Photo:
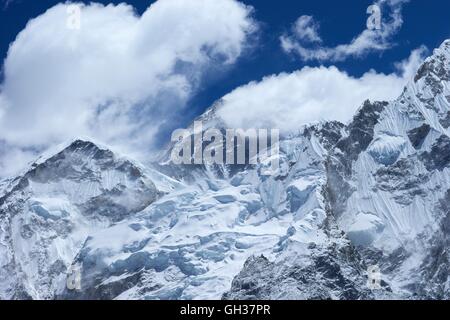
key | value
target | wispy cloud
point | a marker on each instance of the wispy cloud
(306, 29)
(305, 41)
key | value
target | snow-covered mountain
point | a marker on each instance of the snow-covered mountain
(375, 192)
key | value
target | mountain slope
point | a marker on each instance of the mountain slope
(47, 213)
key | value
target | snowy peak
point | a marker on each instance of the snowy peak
(80, 154)
(90, 176)
(437, 66)
(428, 95)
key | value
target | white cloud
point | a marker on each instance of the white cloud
(288, 101)
(367, 41)
(14, 160)
(120, 76)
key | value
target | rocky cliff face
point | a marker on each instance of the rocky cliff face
(345, 198)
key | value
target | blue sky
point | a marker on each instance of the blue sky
(36, 117)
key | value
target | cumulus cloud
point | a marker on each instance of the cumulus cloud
(288, 101)
(377, 40)
(120, 76)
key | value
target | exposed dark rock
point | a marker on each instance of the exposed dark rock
(418, 135)
(400, 179)
(439, 156)
(332, 274)
(360, 132)
(329, 133)
(445, 122)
